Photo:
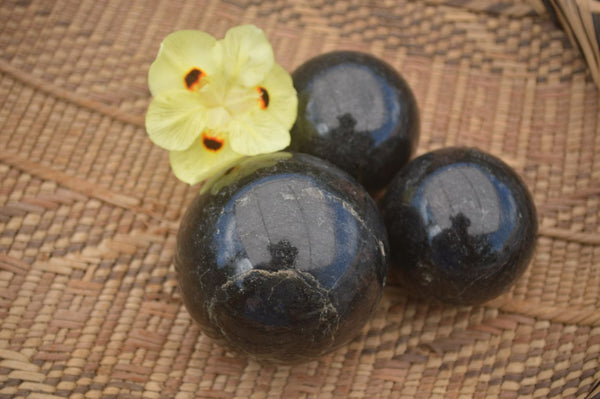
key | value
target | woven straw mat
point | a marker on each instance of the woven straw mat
(89, 209)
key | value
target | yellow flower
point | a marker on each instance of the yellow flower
(215, 101)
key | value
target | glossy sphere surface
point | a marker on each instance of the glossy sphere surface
(357, 112)
(283, 259)
(462, 225)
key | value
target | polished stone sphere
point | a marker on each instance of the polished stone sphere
(357, 112)
(284, 258)
(462, 226)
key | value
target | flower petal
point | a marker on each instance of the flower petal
(179, 53)
(198, 163)
(247, 54)
(283, 101)
(257, 133)
(175, 119)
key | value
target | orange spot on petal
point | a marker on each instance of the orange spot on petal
(193, 79)
(212, 143)
(264, 97)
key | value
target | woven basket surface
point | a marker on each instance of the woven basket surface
(89, 209)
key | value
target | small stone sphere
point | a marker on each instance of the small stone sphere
(462, 226)
(284, 258)
(357, 112)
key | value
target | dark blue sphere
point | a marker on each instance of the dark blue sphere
(357, 112)
(284, 258)
(462, 225)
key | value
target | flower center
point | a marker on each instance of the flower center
(225, 100)
(240, 100)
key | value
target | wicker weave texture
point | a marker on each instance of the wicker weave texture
(89, 209)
